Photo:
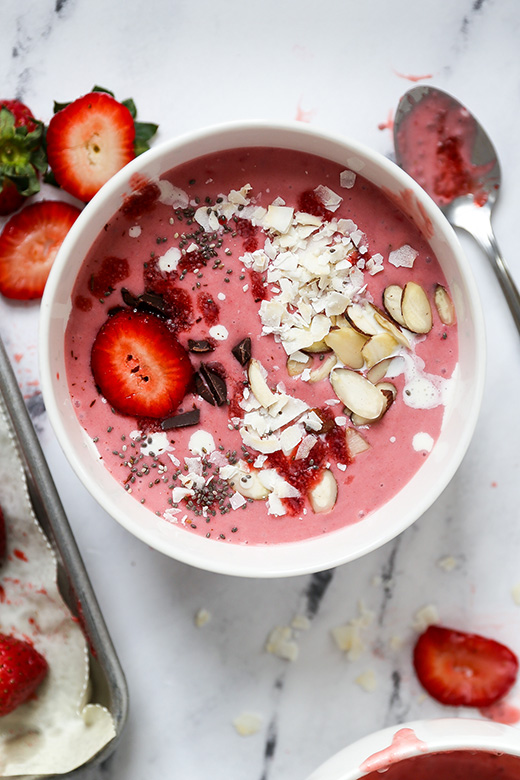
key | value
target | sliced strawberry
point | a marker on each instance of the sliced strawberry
(28, 245)
(463, 669)
(3, 537)
(139, 366)
(88, 141)
(22, 669)
(22, 155)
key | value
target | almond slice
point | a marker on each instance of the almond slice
(318, 346)
(392, 328)
(444, 305)
(358, 394)
(248, 485)
(392, 300)
(378, 371)
(362, 318)
(416, 309)
(356, 444)
(296, 367)
(347, 344)
(323, 368)
(259, 387)
(389, 392)
(324, 493)
(378, 347)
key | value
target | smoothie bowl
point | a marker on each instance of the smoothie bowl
(262, 349)
(451, 748)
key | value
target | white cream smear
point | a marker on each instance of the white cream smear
(58, 730)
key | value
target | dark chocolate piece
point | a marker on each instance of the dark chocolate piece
(210, 386)
(183, 420)
(203, 345)
(148, 301)
(242, 351)
(203, 390)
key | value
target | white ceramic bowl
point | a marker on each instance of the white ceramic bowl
(313, 554)
(388, 747)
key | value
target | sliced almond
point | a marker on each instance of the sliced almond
(356, 443)
(296, 367)
(389, 392)
(392, 300)
(323, 368)
(324, 493)
(444, 305)
(390, 326)
(416, 309)
(318, 346)
(358, 394)
(249, 485)
(362, 318)
(388, 387)
(378, 371)
(259, 387)
(347, 344)
(378, 347)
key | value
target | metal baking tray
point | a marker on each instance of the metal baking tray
(107, 679)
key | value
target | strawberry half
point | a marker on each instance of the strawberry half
(28, 245)
(88, 141)
(22, 155)
(139, 366)
(22, 669)
(461, 669)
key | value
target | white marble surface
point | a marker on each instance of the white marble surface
(341, 66)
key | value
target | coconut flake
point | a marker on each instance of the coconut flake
(404, 257)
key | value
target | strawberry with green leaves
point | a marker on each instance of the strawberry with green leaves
(92, 138)
(462, 669)
(22, 156)
(22, 670)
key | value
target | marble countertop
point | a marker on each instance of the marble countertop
(340, 66)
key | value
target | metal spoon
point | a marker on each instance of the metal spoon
(441, 145)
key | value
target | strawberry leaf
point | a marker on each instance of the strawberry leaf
(130, 105)
(144, 131)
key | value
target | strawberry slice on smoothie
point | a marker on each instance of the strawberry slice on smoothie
(139, 366)
(461, 669)
(29, 244)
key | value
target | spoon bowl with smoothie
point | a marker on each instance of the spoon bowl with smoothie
(262, 349)
(443, 147)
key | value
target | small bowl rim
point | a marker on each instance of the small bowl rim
(286, 559)
(439, 734)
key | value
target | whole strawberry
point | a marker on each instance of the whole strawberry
(22, 669)
(22, 155)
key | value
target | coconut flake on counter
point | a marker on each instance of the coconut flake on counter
(247, 723)
(202, 617)
(367, 681)
(424, 617)
(404, 257)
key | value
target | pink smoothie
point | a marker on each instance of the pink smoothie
(229, 261)
(453, 765)
(436, 140)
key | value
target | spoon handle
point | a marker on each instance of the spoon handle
(482, 231)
